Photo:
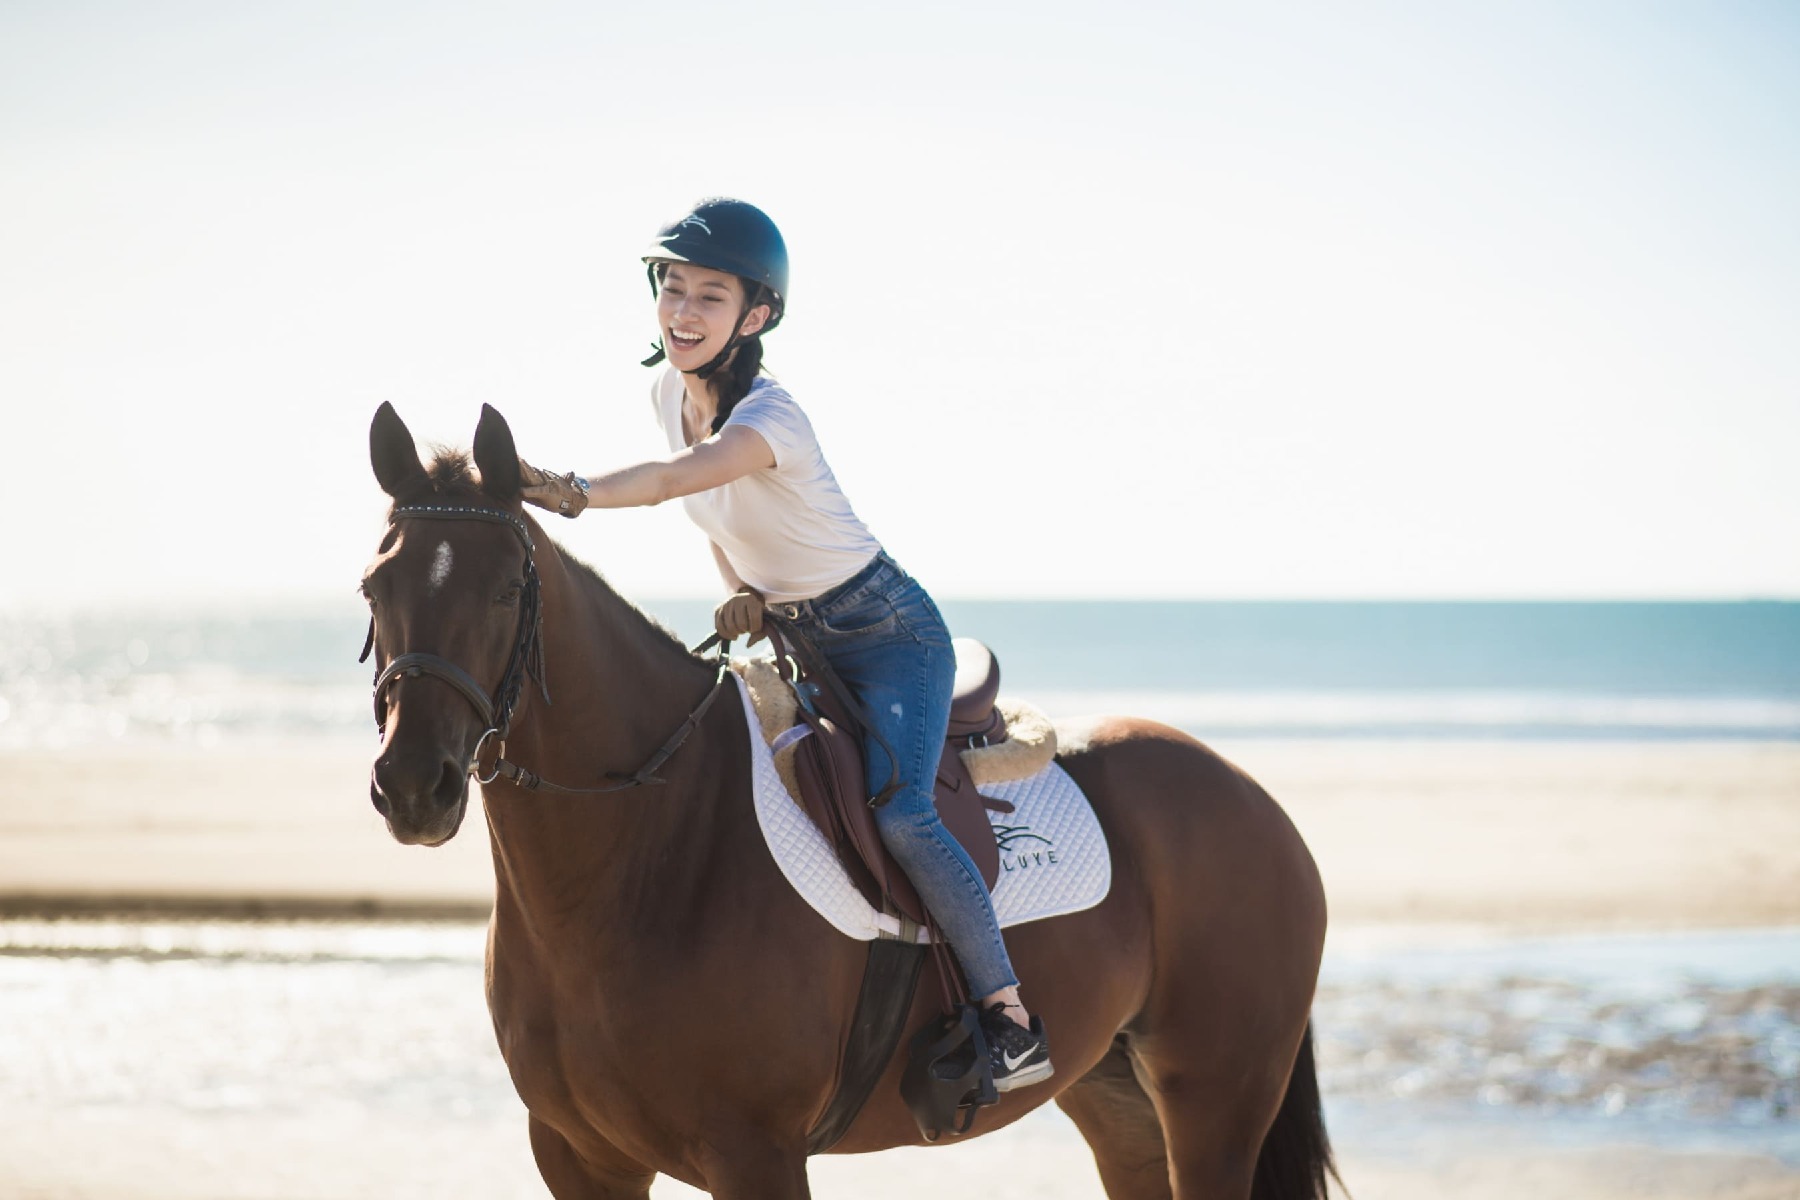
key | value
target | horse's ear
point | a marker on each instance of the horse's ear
(392, 453)
(495, 455)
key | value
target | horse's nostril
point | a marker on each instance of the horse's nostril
(451, 782)
(421, 795)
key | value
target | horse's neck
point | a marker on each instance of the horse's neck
(615, 680)
(618, 690)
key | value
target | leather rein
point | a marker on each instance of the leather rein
(526, 661)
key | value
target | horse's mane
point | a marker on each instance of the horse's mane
(595, 585)
(453, 475)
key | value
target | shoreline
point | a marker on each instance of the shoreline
(180, 907)
(199, 906)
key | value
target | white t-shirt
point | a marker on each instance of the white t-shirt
(787, 530)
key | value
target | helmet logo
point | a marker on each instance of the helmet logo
(694, 220)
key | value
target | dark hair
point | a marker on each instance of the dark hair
(738, 376)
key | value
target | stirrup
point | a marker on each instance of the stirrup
(948, 1077)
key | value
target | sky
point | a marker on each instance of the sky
(1300, 300)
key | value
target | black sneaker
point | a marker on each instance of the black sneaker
(1019, 1056)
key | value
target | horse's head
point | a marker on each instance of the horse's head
(453, 599)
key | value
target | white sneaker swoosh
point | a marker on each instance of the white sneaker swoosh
(1012, 1064)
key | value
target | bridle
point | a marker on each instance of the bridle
(528, 648)
(526, 660)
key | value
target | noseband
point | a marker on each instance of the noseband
(527, 656)
(527, 659)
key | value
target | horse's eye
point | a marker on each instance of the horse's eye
(510, 594)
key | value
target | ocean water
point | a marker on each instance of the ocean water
(1217, 669)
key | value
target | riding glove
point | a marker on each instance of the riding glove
(565, 494)
(741, 615)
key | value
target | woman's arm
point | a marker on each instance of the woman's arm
(732, 454)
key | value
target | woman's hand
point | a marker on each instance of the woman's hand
(565, 494)
(740, 616)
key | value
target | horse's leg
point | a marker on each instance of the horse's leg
(756, 1172)
(1113, 1113)
(572, 1177)
(1216, 1091)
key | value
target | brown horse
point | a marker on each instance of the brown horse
(663, 999)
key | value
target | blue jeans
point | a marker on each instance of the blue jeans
(888, 642)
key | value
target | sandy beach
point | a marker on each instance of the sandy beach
(1521, 835)
(1499, 836)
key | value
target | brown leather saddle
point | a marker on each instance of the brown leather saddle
(834, 788)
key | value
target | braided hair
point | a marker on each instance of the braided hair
(738, 377)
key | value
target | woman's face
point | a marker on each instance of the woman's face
(698, 310)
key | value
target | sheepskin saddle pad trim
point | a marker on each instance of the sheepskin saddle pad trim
(1053, 854)
(1030, 743)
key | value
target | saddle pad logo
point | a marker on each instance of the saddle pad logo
(1021, 849)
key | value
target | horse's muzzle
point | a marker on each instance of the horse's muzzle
(422, 797)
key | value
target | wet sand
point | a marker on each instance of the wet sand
(1500, 836)
(240, 1159)
(235, 1158)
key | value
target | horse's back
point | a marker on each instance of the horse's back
(1207, 850)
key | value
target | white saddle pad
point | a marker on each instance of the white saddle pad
(1053, 855)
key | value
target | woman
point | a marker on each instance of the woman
(745, 463)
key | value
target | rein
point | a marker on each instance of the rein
(526, 660)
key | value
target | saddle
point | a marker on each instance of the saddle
(821, 761)
(819, 756)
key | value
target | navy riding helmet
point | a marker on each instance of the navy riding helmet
(726, 235)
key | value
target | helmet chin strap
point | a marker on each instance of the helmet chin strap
(718, 360)
(705, 371)
(708, 369)
(657, 353)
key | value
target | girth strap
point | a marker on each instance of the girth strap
(889, 979)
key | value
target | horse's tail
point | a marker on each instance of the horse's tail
(1295, 1162)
